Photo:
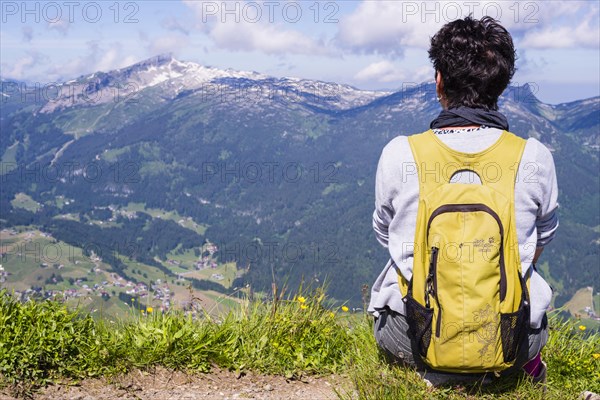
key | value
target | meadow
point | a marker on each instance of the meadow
(47, 342)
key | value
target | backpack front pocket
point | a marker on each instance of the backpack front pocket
(466, 242)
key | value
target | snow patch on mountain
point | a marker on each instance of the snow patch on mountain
(172, 77)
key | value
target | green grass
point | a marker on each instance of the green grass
(112, 155)
(46, 342)
(187, 259)
(313, 128)
(9, 159)
(82, 121)
(333, 187)
(573, 366)
(36, 249)
(186, 222)
(25, 201)
(68, 216)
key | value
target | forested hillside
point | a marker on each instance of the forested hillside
(278, 173)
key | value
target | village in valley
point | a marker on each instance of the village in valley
(34, 265)
(584, 306)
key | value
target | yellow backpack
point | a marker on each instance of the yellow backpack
(467, 304)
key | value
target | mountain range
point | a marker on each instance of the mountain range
(278, 172)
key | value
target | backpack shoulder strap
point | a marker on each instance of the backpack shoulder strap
(496, 166)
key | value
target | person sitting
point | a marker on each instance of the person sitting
(474, 61)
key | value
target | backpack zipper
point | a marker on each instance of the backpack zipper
(431, 288)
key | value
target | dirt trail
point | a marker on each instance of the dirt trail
(163, 384)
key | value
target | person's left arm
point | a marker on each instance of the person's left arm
(547, 216)
(385, 191)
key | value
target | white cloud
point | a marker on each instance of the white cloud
(268, 39)
(424, 73)
(112, 58)
(60, 26)
(384, 28)
(97, 58)
(20, 69)
(522, 17)
(381, 71)
(389, 27)
(582, 35)
(526, 63)
(243, 32)
(386, 71)
(169, 43)
(73, 67)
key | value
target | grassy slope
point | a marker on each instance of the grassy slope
(25, 201)
(43, 342)
(186, 222)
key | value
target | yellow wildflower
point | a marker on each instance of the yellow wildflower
(332, 314)
(582, 327)
(149, 309)
(304, 306)
(301, 300)
(345, 309)
(596, 356)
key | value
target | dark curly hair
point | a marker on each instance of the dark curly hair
(476, 59)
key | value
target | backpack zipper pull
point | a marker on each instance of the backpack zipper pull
(432, 278)
(429, 286)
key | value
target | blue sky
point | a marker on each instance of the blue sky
(368, 44)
